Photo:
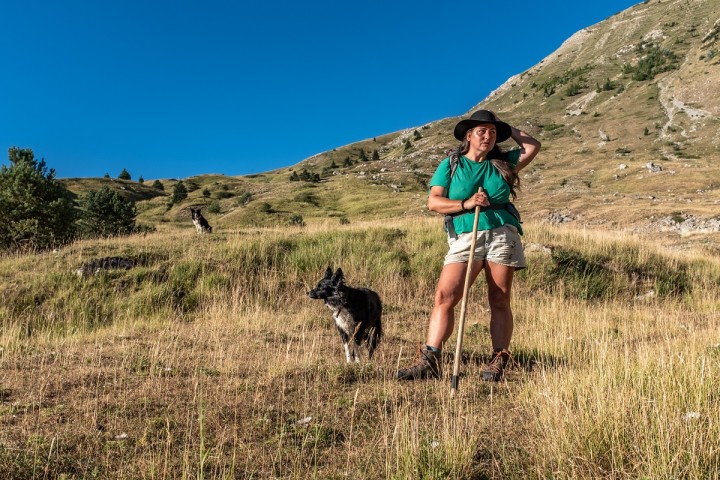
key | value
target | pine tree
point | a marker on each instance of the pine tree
(105, 213)
(375, 155)
(179, 193)
(38, 211)
(158, 185)
(124, 175)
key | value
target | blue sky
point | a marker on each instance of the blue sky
(174, 89)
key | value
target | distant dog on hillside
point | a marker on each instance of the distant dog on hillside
(201, 224)
(356, 312)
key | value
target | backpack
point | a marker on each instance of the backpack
(454, 155)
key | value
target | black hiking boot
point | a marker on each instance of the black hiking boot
(493, 371)
(427, 366)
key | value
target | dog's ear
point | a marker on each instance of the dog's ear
(328, 272)
(337, 276)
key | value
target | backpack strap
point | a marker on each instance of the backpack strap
(454, 155)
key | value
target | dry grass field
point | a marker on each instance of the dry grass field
(208, 360)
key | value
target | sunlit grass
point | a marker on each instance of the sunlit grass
(208, 360)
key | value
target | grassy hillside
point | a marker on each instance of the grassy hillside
(626, 110)
(208, 360)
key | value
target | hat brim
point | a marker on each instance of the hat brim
(503, 129)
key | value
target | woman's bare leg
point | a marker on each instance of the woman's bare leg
(499, 279)
(448, 294)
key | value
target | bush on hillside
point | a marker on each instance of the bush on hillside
(105, 213)
(655, 60)
(305, 176)
(39, 211)
(180, 193)
(244, 198)
(297, 220)
(214, 207)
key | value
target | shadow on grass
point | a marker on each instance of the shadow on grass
(526, 360)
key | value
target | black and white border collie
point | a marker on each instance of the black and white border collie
(356, 312)
(201, 224)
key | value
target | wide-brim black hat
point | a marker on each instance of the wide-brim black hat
(483, 116)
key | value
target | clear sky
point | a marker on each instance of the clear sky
(171, 89)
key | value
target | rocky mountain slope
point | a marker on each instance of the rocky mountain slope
(628, 112)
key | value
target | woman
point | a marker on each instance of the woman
(487, 177)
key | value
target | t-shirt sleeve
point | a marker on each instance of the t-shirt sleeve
(513, 156)
(441, 177)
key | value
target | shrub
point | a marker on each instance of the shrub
(214, 207)
(573, 89)
(655, 60)
(39, 211)
(623, 151)
(180, 193)
(296, 220)
(244, 198)
(307, 197)
(158, 185)
(105, 213)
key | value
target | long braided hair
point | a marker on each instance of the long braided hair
(499, 159)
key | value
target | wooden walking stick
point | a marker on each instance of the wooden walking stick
(461, 327)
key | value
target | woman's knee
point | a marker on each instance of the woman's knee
(447, 298)
(498, 299)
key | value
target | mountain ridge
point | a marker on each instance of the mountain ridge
(625, 108)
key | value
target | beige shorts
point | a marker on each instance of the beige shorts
(500, 245)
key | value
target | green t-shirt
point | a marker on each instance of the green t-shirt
(469, 176)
